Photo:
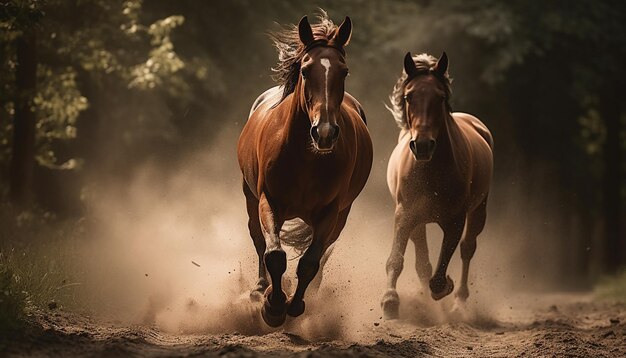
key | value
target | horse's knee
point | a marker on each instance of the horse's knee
(275, 261)
(468, 248)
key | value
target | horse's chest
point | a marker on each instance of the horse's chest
(303, 184)
(435, 197)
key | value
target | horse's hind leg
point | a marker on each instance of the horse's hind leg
(395, 263)
(475, 224)
(254, 226)
(440, 284)
(275, 307)
(422, 261)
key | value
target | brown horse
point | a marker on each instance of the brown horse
(439, 172)
(305, 153)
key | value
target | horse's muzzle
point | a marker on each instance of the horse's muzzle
(325, 136)
(423, 149)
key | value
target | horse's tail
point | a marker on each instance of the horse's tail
(297, 234)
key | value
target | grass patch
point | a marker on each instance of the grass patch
(612, 287)
(37, 265)
(12, 302)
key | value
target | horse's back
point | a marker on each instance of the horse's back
(270, 97)
(476, 124)
(246, 149)
(481, 147)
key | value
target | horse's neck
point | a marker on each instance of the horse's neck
(297, 123)
(455, 145)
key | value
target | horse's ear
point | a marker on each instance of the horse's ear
(442, 65)
(305, 32)
(409, 65)
(344, 32)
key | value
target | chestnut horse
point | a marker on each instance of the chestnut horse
(439, 172)
(305, 152)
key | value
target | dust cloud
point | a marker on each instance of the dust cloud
(170, 248)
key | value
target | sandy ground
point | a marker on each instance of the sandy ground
(571, 325)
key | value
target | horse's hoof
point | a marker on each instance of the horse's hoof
(294, 309)
(391, 305)
(439, 290)
(274, 311)
(462, 294)
(273, 319)
(459, 307)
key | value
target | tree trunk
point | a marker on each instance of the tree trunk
(614, 249)
(23, 155)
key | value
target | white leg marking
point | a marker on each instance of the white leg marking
(326, 63)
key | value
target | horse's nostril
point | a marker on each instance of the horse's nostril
(422, 149)
(431, 145)
(335, 132)
(314, 133)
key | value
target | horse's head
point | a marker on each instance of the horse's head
(426, 104)
(323, 71)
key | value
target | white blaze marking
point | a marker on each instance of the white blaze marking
(326, 63)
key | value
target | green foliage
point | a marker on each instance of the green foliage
(59, 103)
(112, 46)
(593, 130)
(163, 60)
(17, 16)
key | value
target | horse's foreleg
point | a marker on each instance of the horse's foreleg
(475, 224)
(395, 263)
(275, 258)
(442, 285)
(422, 261)
(317, 280)
(341, 223)
(254, 226)
(309, 263)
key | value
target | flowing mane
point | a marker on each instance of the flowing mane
(291, 50)
(424, 63)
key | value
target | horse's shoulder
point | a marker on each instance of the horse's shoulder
(271, 97)
(356, 105)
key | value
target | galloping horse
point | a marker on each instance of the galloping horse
(439, 172)
(305, 152)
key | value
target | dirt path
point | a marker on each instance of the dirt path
(561, 325)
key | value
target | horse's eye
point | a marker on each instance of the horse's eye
(347, 72)
(304, 72)
(407, 97)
